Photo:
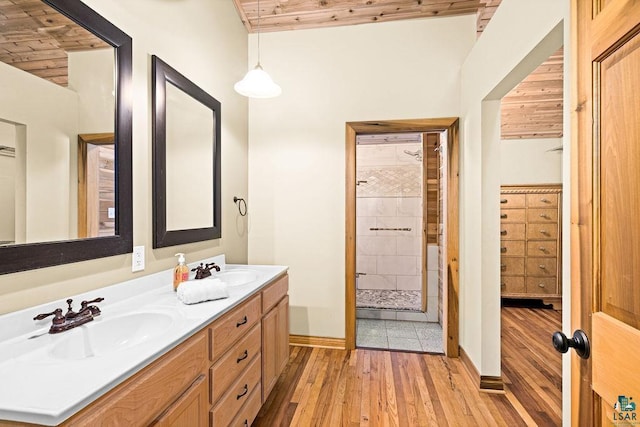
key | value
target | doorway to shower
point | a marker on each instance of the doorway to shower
(398, 233)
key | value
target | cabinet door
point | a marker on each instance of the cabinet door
(190, 410)
(275, 345)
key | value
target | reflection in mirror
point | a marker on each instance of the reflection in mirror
(64, 71)
(186, 159)
(189, 166)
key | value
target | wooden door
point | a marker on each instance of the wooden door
(605, 210)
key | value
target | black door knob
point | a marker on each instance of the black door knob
(579, 342)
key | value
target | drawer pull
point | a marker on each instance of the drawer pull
(503, 266)
(542, 267)
(503, 215)
(543, 249)
(244, 356)
(503, 249)
(242, 322)
(541, 285)
(543, 200)
(246, 423)
(503, 201)
(244, 391)
(545, 216)
(503, 232)
(545, 232)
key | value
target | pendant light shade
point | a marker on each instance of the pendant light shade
(257, 84)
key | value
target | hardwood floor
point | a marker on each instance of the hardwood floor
(326, 387)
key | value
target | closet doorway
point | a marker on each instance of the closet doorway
(397, 237)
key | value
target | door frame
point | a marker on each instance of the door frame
(450, 298)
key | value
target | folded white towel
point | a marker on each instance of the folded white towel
(195, 291)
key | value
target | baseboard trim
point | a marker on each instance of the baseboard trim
(323, 342)
(486, 383)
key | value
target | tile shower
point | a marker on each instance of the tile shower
(389, 234)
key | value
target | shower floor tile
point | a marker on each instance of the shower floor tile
(388, 299)
(399, 335)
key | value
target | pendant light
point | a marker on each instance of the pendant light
(257, 83)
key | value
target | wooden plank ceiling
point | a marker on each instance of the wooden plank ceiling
(36, 38)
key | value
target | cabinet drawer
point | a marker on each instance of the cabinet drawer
(542, 231)
(512, 231)
(512, 248)
(545, 248)
(274, 293)
(542, 266)
(542, 215)
(512, 200)
(513, 215)
(512, 265)
(227, 408)
(512, 284)
(234, 362)
(230, 327)
(542, 285)
(249, 411)
(542, 200)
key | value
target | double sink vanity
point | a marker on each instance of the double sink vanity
(147, 358)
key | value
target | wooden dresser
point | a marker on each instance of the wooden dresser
(530, 237)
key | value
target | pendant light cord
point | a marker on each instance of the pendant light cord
(258, 32)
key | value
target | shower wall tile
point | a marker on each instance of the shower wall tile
(409, 206)
(408, 246)
(364, 224)
(398, 222)
(399, 265)
(403, 158)
(366, 264)
(376, 155)
(432, 257)
(389, 181)
(375, 245)
(377, 281)
(432, 283)
(409, 283)
(375, 206)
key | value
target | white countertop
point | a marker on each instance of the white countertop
(42, 386)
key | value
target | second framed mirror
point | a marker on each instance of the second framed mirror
(186, 159)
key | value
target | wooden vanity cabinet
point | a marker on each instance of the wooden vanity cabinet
(530, 242)
(275, 333)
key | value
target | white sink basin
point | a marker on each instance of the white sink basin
(237, 277)
(104, 336)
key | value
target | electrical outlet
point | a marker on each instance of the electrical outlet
(137, 262)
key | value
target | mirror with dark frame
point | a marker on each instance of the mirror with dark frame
(65, 135)
(186, 159)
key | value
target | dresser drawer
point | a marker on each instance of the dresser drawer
(249, 411)
(542, 200)
(234, 362)
(512, 200)
(513, 215)
(542, 231)
(512, 284)
(226, 409)
(542, 266)
(230, 327)
(512, 248)
(544, 248)
(512, 231)
(542, 215)
(512, 265)
(274, 293)
(542, 285)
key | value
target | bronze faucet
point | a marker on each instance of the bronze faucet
(71, 319)
(203, 271)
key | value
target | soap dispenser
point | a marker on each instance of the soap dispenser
(181, 272)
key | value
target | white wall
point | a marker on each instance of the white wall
(530, 161)
(394, 70)
(206, 41)
(520, 36)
